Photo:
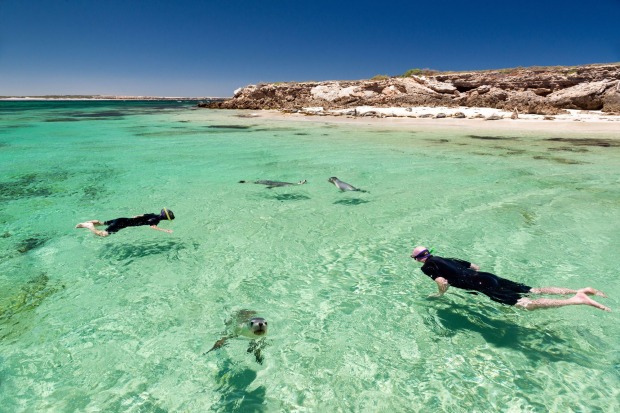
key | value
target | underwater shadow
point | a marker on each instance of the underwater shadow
(288, 197)
(234, 388)
(536, 344)
(352, 201)
(141, 249)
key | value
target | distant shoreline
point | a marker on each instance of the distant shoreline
(109, 98)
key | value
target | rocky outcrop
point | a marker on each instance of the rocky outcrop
(545, 91)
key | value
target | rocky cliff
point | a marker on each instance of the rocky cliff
(537, 90)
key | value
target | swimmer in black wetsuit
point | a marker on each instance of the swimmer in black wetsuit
(115, 225)
(463, 274)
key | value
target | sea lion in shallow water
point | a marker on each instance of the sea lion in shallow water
(343, 186)
(245, 323)
(274, 184)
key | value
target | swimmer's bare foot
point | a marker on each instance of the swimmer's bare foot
(582, 298)
(88, 224)
(592, 291)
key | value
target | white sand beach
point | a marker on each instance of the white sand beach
(470, 118)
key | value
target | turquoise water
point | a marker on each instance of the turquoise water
(120, 324)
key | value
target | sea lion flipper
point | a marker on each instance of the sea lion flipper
(256, 348)
(218, 344)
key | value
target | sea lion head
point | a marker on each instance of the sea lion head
(257, 326)
(333, 179)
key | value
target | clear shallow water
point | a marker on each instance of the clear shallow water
(121, 323)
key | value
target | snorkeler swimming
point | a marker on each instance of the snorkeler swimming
(115, 225)
(462, 274)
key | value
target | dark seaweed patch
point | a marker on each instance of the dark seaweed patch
(99, 115)
(605, 143)
(10, 191)
(16, 126)
(78, 116)
(528, 217)
(568, 149)
(229, 127)
(31, 243)
(352, 201)
(30, 185)
(29, 297)
(494, 138)
(176, 132)
(283, 129)
(93, 192)
(510, 151)
(62, 120)
(559, 160)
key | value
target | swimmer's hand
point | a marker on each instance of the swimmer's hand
(442, 285)
(169, 231)
(474, 267)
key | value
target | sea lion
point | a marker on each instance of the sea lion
(244, 323)
(343, 186)
(274, 184)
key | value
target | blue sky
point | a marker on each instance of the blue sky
(211, 47)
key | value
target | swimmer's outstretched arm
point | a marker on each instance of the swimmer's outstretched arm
(442, 285)
(169, 231)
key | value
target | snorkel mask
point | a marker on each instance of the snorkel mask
(169, 214)
(424, 253)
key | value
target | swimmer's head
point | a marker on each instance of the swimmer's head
(167, 214)
(420, 253)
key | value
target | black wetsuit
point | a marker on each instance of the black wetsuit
(460, 275)
(117, 224)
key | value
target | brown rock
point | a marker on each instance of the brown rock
(538, 90)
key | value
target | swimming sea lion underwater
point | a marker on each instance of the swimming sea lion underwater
(245, 323)
(343, 186)
(274, 184)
